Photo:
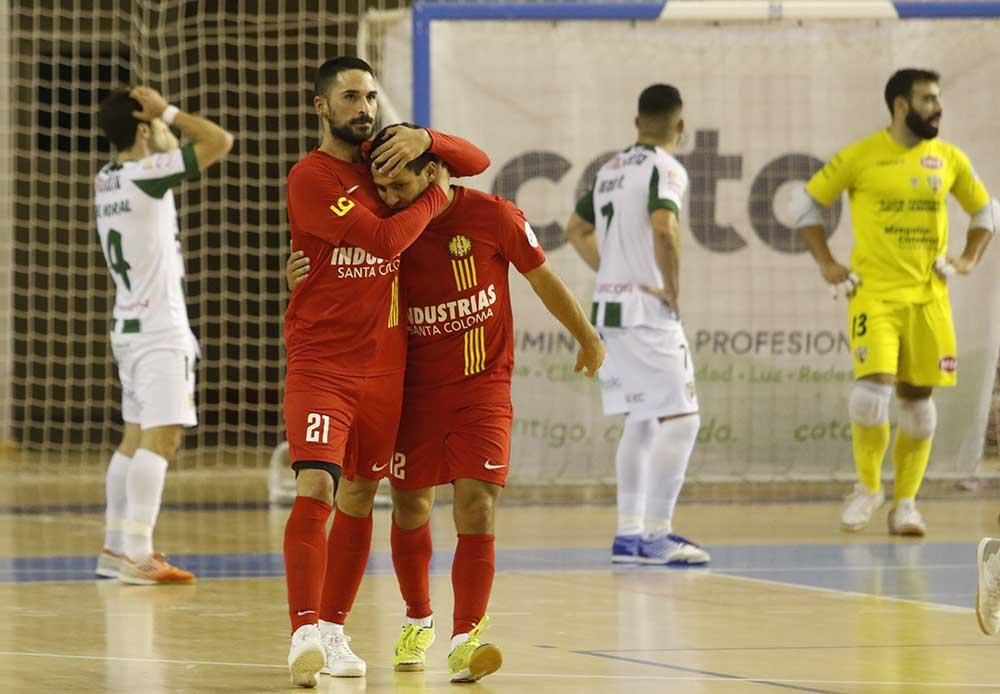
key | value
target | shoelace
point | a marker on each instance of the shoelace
(483, 625)
(339, 644)
(411, 638)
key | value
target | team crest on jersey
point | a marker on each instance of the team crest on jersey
(935, 183)
(459, 246)
(931, 162)
(948, 364)
(530, 233)
(861, 353)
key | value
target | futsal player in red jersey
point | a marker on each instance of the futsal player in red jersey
(457, 412)
(346, 347)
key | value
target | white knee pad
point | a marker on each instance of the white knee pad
(918, 418)
(869, 403)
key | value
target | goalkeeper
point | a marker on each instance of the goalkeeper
(901, 331)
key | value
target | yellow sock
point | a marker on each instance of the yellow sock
(870, 445)
(909, 459)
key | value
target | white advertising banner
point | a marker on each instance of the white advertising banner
(765, 105)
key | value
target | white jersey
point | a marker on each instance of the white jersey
(628, 188)
(137, 225)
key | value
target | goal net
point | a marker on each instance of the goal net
(766, 102)
(548, 100)
(249, 66)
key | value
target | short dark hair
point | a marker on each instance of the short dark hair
(418, 164)
(902, 81)
(329, 70)
(662, 100)
(116, 120)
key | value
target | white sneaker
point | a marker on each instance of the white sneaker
(905, 519)
(671, 549)
(988, 592)
(306, 657)
(859, 507)
(340, 659)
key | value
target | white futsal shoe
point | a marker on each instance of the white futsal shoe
(859, 507)
(988, 591)
(671, 549)
(340, 659)
(905, 519)
(306, 658)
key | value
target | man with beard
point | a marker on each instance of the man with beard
(900, 322)
(346, 353)
(457, 412)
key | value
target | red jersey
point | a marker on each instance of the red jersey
(455, 278)
(346, 317)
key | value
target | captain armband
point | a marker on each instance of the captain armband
(987, 218)
(805, 211)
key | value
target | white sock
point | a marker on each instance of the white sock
(458, 639)
(422, 622)
(664, 474)
(144, 484)
(634, 449)
(115, 496)
(330, 628)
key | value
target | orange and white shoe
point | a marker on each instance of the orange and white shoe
(154, 570)
(109, 563)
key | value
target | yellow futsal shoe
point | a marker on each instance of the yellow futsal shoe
(472, 660)
(411, 648)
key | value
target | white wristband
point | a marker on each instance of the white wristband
(169, 113)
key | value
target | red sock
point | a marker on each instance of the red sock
(347, 556)
(411, 557)
(305, 558)
(471, 580)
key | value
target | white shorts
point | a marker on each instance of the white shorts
(157, 375)
(648, 372)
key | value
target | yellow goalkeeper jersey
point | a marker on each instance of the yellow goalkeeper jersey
(898, 210)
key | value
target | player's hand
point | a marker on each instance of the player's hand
(843, 281)
(152, 103)
(163, 139)
(946, 267)
(403, 146)
(663, 295)
(590, 357)
(296, 269)
(443, 178)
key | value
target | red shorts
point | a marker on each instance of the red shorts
(346, 420)
(440, 444)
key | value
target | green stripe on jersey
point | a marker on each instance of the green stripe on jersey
(655, 201)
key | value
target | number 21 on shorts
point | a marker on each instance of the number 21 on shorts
(317, 428)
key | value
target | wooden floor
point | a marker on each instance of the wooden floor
(790, 604)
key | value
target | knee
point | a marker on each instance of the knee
(474, 512)
(356, 497)
(163, 441)
(411, 509)
(316, 484)
(918, 418)
(869, 403)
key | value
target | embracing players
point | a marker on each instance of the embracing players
(901, 331)
(346, 341)
(628, 229)
(151, 338)
(457, 412)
